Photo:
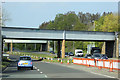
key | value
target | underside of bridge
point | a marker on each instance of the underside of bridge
(43, 46)
(110, 48)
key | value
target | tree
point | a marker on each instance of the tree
(5, 17)
(82, 22)
(107, 23)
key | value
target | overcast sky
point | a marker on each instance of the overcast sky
(32, 14)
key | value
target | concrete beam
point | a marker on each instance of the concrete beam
(37, 34)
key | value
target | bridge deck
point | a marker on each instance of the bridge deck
(36, 34)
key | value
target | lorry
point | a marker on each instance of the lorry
(79, 53)
(95, 50)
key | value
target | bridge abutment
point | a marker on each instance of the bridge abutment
(110, 48)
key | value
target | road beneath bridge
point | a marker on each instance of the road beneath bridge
(47, 70)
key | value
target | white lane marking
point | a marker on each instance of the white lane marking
(47, 62)
(35, 67)
(46, 76)
(92, 72)
(102, 75)
(41, 72)
(38, 69)
(97, 73)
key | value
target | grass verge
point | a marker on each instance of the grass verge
(37, 56)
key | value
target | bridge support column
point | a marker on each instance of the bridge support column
(11, 47)
(63, 49)
(117, 47)
(35, 46)
(25, 46)
(58, 54)
(103, 48)
(48, 46)
(2, 45)
(41, 47)
(54, 46)
(110, 47)
(8, 46)
(44, 47)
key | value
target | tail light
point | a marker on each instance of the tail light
(31, 62)
(19, 63)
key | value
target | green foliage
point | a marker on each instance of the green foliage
(82, 22)
(29, 47)
(68, 21)
(107, 23)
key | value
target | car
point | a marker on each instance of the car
(104, 56)
(66, 54)
(96, 56)
(25, 62)
(52, 52)
(88, 56)
(70, 54)
(95, 50)
(78, 53)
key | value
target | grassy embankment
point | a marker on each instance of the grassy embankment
(37, 56)
(5, 62)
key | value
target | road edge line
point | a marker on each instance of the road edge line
(102, 75)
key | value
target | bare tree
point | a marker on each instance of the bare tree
(5, 17)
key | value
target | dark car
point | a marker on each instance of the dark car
(52, 52)
(95, 50)
(88, 56)
(70, 54)
(66, 54)
(104, 56)
(96, 56)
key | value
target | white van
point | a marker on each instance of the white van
(78, 53)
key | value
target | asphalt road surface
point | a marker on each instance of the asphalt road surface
(46, 70)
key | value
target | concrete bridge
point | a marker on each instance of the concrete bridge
(110, 38)
(43, 43)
